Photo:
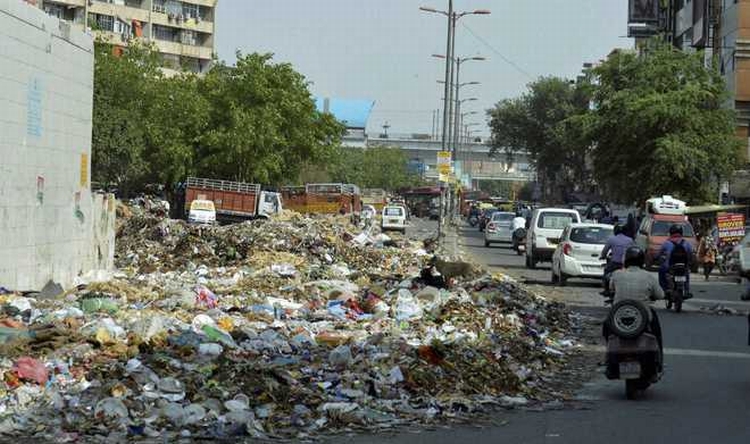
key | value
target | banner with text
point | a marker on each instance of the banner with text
(731, 227)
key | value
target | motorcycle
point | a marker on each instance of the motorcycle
(678, 277)
(633, 351)
(519, 241)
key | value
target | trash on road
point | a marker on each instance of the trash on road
(272, 329)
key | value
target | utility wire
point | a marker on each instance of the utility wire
(498, 53)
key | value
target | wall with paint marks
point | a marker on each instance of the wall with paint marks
(51, 226)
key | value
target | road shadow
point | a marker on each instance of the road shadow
(508, 266)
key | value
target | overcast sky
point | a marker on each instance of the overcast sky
(380, 49)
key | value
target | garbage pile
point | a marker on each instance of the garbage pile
(269, 329)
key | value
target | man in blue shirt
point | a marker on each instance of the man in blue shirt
(617, 245)
(675, 250)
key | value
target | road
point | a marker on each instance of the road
(703, 397)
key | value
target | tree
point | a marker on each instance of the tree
(121, 89)
(660, 125)
(377, 167)
(550, 123)
(263, 124)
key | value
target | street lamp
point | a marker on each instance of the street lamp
(453, 17)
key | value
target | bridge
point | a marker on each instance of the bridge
(473, 158)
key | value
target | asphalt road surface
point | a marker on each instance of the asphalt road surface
(704, 396)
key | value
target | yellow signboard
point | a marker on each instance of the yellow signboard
(84, 180)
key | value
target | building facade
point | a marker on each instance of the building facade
(721, 28)
(182, 30)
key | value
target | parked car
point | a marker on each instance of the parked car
(654, 231)
(577, 254)
(394, 218)
(202, 212)
(545, 230)
(485, 217)
(498, 228)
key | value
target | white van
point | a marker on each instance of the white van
(202, 212)
(545, 230)
(394, 218)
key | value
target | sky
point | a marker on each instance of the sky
(381, 49)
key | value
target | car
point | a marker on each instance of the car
(484, 217)
(577, 254)
(545, 229)
(654, 231)
(202, 212)
(393, 218)
(498, 228)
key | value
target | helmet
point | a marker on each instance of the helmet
(675, 229)
(634, 257)
(619, 229)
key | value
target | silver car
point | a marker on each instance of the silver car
(499, 228)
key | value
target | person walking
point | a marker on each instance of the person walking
(707, 252)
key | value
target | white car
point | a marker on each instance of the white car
(499, 228)
(545, 230)
(202, 212)
(394, 218)
(579, 250)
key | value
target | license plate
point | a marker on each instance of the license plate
(680, 278)
(392, 221)
(630, 370)
(553, 240)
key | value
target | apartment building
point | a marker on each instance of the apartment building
(182, 30)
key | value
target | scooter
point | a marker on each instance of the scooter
(633, 352)
(519, 241)
(678, 277)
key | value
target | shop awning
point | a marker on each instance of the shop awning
(707, 209)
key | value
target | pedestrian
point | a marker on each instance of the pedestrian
(707, 252)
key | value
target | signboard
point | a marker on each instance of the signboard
(731, 227)
(643, 11)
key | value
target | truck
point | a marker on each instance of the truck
(376, 197)
(233, 201)
(323, 198)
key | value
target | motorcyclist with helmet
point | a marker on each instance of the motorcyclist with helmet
(635, 283)
(676, 250)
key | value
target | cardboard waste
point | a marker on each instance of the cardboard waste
(284, 328)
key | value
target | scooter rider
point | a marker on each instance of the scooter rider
(635, 283)
(674, 250)
(617, 245)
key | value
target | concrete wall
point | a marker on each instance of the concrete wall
(51, 227)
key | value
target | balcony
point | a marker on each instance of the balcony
(207, 3)
(198, 52)
(124, 12)
(202, 26)
(76, 3)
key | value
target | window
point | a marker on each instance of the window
(555, 221)
(160, 6)
(103, 22)
(189, 37)
(503, 217)
(121, 27)
(590, 235)
(190, 11)
(661, 228)
(393, 211)
(164, 33)
(55, 11)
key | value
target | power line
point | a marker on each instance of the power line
(498, 53)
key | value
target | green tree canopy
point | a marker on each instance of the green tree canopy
(661, 126)
(378, 167)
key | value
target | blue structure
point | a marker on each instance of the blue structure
(351, 112)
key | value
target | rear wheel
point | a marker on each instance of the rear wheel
(555, 278)
(486, 243)
(678, 302)
(563, 279)
(631, 388)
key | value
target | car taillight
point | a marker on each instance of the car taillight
(567, 248)
(492, 227)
